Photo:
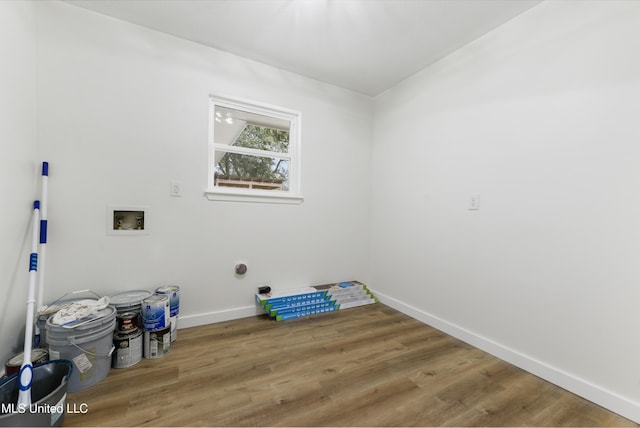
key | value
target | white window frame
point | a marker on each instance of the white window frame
(291, 196)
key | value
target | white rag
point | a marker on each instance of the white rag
(79, 310)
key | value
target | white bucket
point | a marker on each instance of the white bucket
(88, 346)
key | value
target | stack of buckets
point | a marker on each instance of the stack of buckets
(146, 324)
(127, 338)
(135, 324)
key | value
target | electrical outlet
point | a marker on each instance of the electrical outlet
(176, 189)
(474, 201)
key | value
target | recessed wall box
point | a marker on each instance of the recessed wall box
(128, 220)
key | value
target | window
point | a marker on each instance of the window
(254, 152)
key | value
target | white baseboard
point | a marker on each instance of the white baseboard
(218, 316)
(605, 398)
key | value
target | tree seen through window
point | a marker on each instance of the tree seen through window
(235, 168)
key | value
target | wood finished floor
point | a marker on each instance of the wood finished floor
(367, 366)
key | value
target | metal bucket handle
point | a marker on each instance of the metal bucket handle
(113, 348)
(71, 292)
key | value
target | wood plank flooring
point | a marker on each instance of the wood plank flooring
(367, 366)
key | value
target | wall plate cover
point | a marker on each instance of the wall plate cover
(175, 189)
(474, 201)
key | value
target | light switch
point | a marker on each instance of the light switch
(474, 201)
(176, 189)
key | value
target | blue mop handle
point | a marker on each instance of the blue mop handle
(26, 370)
(43, 240)
(43, 222)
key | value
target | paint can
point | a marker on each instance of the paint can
(155, 312)
(173, 291)
(130, 301)
(173, 325)
(127, 322)
(14, 363)
(157, 343)
(128, 349)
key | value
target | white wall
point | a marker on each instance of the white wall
(124, 112)
(18, 169)
(538, 117)
(541, 118)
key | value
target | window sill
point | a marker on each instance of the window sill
(256, 196)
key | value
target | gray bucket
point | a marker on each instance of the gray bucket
(41, 320)
(48, 394)
(88, 346)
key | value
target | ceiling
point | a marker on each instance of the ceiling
(367, 46)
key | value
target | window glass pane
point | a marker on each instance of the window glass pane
(263, 138)
(243, 129)
(251, 172)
